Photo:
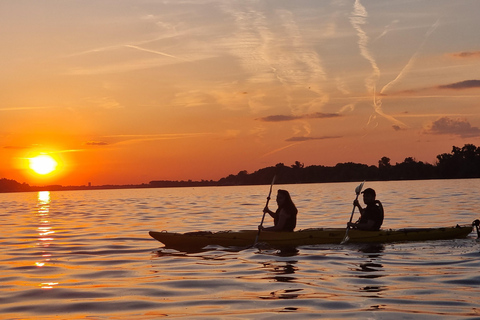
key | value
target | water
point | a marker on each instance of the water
(87, 254)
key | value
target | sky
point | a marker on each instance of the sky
(130, 91)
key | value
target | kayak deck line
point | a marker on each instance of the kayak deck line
(311, 236)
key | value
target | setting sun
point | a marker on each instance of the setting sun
(43, 164)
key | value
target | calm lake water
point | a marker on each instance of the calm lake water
(87, 254)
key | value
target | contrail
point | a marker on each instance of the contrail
(279, 149)
(412, 59)
(406, 68)
(153, 51)
(387, 30)
(357, 19)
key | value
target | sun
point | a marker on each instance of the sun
(43, 164)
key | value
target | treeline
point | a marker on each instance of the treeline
(7, 185)
(460, 163)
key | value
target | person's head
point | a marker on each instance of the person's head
(369, 195)
(283, 198)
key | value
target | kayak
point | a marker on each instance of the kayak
(244, 238)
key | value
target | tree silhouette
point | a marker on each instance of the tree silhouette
(460, 163)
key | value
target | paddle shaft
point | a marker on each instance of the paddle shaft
(345, 239)
(357, 191)
(263, 217)
(353, 210)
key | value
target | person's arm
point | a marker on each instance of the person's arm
(282, 220)
(365, 226)
(270, 212)
(356, 203)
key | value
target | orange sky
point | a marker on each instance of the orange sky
(126, 92)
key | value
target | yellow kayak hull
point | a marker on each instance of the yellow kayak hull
(244, 238)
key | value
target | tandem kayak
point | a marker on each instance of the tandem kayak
(244, 238)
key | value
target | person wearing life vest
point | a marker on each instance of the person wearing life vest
(371, 217)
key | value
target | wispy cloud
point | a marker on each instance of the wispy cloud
(271, 48)
(124, 61)
(461, 85)
(137, 138)
(96, 143)
(15, 147)
(466, 54)
(467, 84)
(449, 126)
(155, 52)
(299, 139)
(115, 68)
(316, 115)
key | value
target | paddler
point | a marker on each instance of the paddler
(371, 217)
(285, 218)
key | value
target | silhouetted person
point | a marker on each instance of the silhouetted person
(285, 218)
(371, 218)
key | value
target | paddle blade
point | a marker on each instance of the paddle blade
(345, 240)
(359, 188)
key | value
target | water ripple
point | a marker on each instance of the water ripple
(88, 254)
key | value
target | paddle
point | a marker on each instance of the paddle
(358, 189)
(263, 217)
(476, 223)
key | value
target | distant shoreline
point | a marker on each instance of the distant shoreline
(146, 186)
(461, 163)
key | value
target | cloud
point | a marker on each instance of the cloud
(466, 54)
(278, 118)
(467, 84)
(316, 115)
(15, 147)
(461, 85)
(458, 127)
(96, 143)
(397, 128)
(300, 139)
(140, 138)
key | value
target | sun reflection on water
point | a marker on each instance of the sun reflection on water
(45, 233)
(48, 285)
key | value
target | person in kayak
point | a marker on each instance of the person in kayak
(371, 217)
(285, 218)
